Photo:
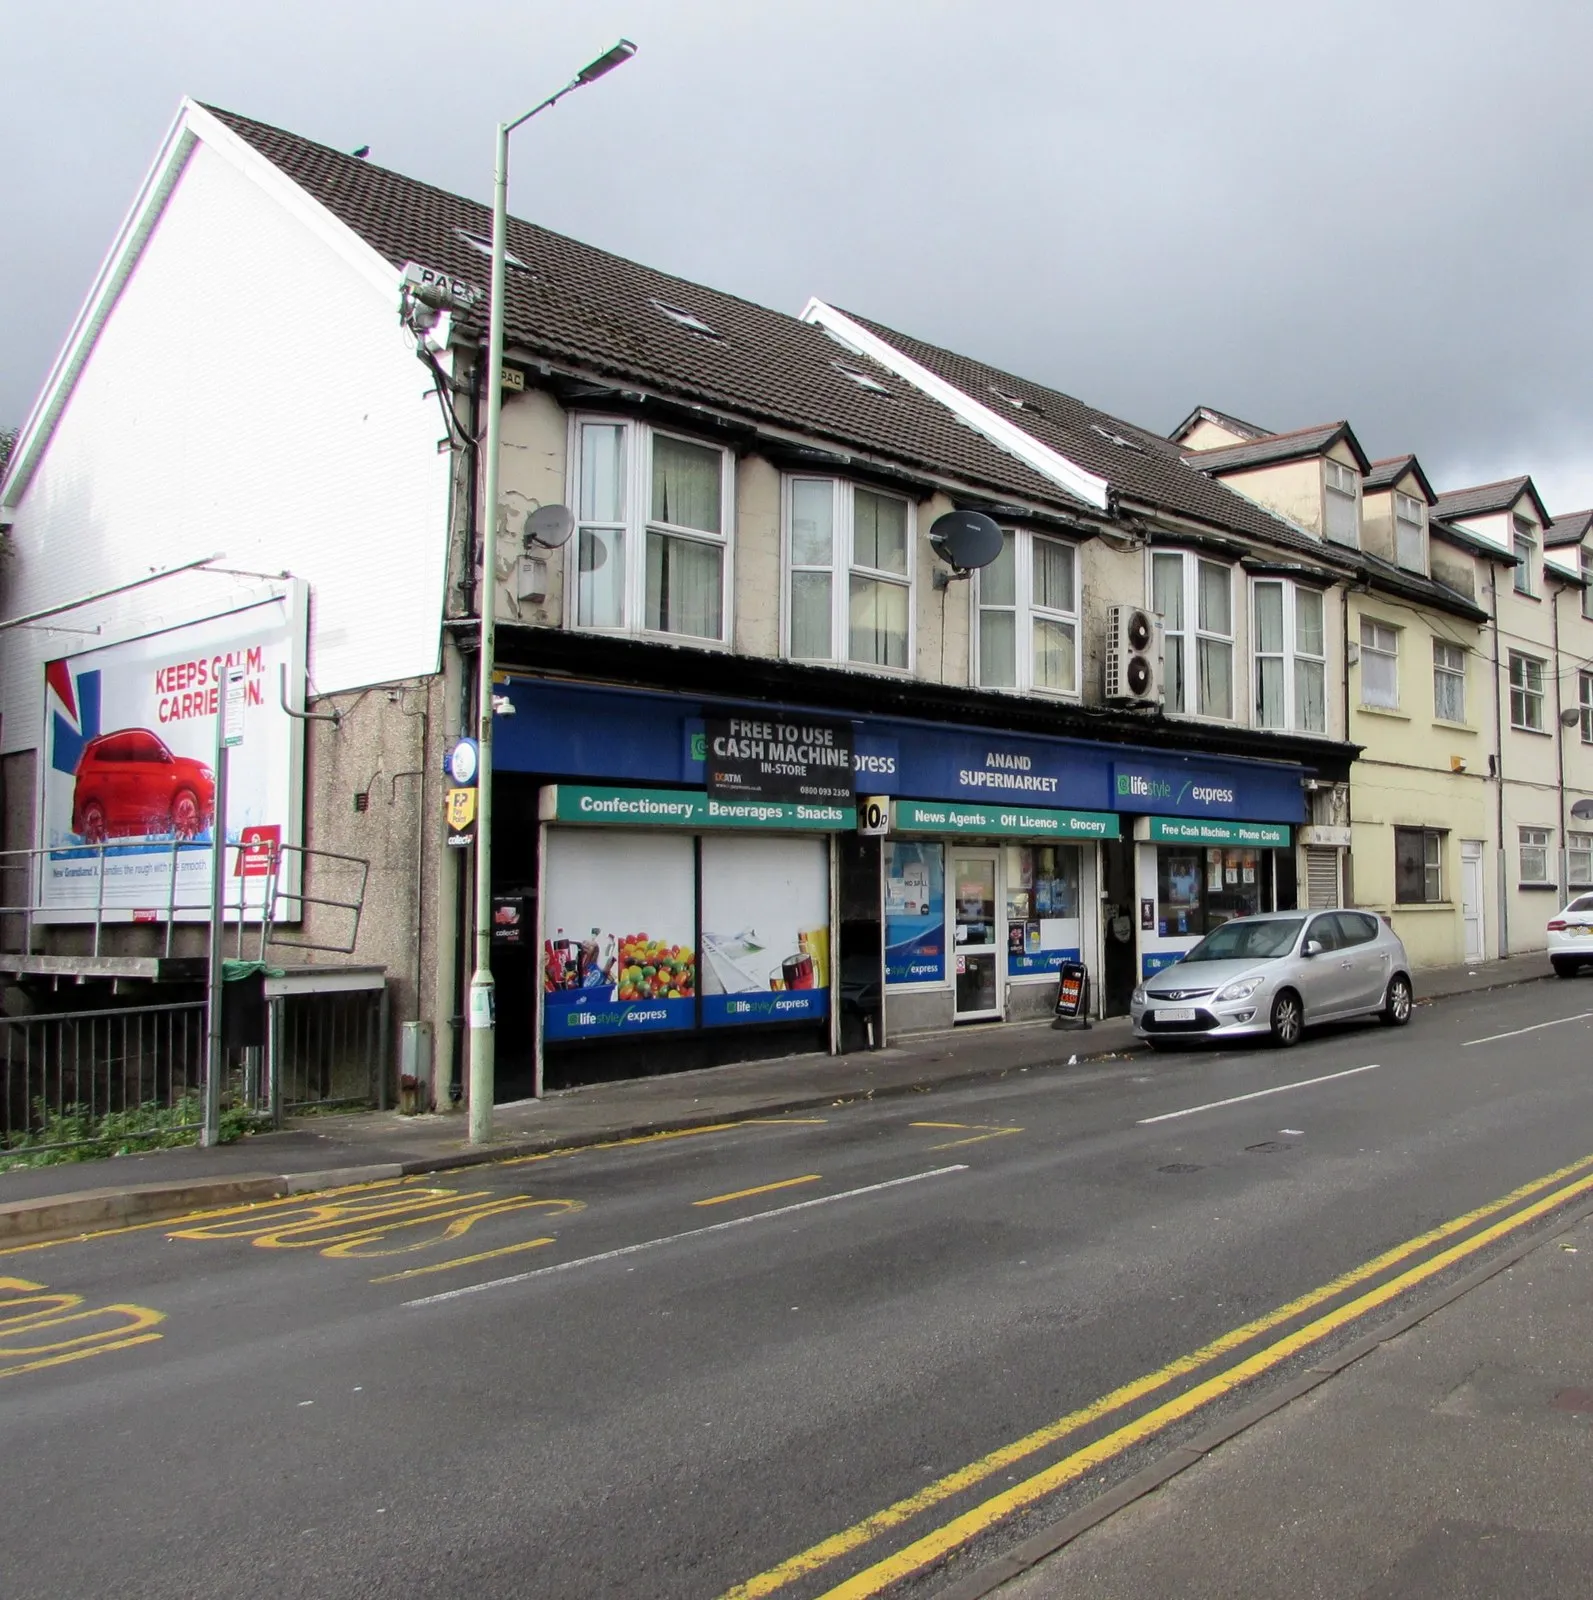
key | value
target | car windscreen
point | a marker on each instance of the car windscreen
(1248, 941)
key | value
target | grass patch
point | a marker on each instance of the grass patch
(74, 1134)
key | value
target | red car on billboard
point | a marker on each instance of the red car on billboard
(129, 783)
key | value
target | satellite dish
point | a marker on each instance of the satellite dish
(1582, 810)
(965, 540)
(1570, 717)
(549, 526)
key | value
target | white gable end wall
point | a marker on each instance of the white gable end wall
(251, 392)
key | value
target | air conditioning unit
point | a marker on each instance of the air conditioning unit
(1133, 656)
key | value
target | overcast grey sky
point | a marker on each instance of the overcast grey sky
(1371, 210)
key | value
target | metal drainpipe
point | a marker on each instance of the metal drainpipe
(1501, 872)
(1563, 872)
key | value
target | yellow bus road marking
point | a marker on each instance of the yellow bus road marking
(465, 1261)
(923, 1552)
(980, 1130)
(763, 1188)
(39, 1329)
(356, 1228)
(870, 1528)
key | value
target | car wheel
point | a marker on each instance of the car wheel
(1397, 1002)
(1565, 966)
(185, 814)
(92, 817)
(1288, 1019)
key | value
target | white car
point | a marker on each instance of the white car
(1571, 937)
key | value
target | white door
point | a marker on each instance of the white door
(976, 933)
(1471, 896)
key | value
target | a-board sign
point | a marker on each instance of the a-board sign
(1072, 989)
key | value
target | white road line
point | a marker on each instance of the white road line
(675, 1238)
(1282, 1088)
(1581, 1016)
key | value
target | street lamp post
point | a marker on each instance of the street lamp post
(482, 1034)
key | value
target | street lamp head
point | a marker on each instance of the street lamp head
(621, 53)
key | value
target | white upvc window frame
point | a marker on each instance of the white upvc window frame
(1341, 484)
(843, 568)
(634, 524)
(1540, 843)
(1410, 512)
(1025, 614)
(1374, 646)
(1524, 546)
(1531, 693)
(1585, 562)
(1192, 634)
(1291, 655)
(1584, 686)
(1578, 859)
(1448, 671)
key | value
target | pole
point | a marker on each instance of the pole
(483, 1040)
(210, 1133)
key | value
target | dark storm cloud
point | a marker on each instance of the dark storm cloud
(1370, 210)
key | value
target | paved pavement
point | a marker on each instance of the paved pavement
(860, 1350)
(1450, 1463)
(343, 1148)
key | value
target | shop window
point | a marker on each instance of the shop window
(849, 574)
(1418, 866)
(1579, 859)
(1028, 615)
(1290, 656)
(1449, 681)
(1043, 926)
(1526, 692)
(652, 532)
(1195, 599)
(915, 911)
(1534, 846)
(1200, 888)
(1379, 665)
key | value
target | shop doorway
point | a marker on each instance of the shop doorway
(976, 934)
(1119, 915)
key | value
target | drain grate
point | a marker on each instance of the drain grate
(1267, 1146)
(1180, 1166)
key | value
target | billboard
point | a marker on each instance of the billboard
(126, 804)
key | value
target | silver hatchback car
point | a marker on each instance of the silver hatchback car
(1275, 973)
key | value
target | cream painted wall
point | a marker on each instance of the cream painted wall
(1293, 489)
(1209, 435)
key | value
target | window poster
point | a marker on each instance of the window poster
(618, 934)
(1043, 931)
(915, 912)
(765, 929)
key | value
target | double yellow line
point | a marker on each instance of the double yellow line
(1553, 1190)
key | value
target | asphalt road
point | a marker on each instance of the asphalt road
(669, 1367)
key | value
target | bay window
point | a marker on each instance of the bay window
(1290, 650)
(1028, 614)
(849, 564)
(651, 552)
(1195, 599)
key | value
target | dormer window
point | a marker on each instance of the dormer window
(1342, 502)
(1525, 545)
(1585, 556)
(1410, 540)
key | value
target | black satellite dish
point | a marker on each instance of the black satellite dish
(1582, 810)
(965, 540)
(549, 527)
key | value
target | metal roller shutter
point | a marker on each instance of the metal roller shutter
(1321, 878)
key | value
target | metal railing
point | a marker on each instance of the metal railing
(113, 1078)
(273, 906)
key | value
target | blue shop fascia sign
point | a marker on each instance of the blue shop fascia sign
(619, 736)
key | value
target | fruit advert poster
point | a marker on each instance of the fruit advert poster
(127, 792)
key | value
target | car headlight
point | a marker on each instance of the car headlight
(1138, 996)
(1241, 990)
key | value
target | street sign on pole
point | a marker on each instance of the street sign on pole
(234, 693)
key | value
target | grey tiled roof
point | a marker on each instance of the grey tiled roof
(1572, 528)
(1417, 586)
(599, 313)
(1467, 540)
(1386, 473)
(1140, 465)
(1289, 446)
(1484, 499)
